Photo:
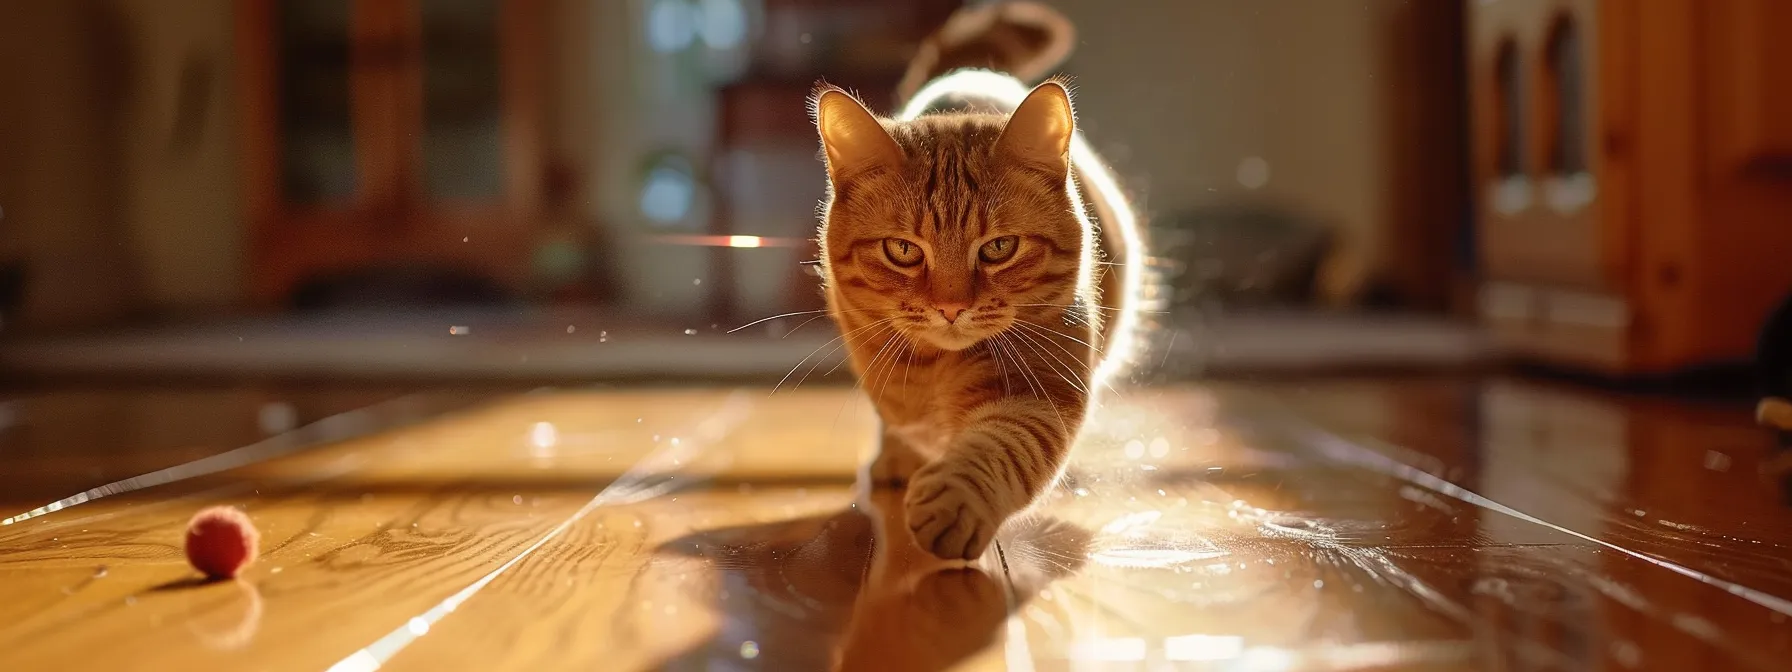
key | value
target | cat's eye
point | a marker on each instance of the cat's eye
(902, 252)
(998, 250)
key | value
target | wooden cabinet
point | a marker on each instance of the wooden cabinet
(1631, 172)
(389, 133)
(1752, 81)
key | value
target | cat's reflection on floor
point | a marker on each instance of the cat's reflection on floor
(851, 591)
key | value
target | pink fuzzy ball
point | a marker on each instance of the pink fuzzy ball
(221, 542)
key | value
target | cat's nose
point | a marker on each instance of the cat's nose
(951, 311)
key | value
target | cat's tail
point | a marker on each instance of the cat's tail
(1025, 39)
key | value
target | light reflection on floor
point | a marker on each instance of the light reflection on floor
(1316, 526)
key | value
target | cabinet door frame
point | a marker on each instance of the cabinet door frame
(388, 218)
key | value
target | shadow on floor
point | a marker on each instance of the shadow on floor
(850, 590)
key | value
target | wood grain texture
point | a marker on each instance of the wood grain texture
(1689, 148)
(1436, 524)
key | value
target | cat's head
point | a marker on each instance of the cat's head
(951, 226)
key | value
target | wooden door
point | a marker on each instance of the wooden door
(389, 134)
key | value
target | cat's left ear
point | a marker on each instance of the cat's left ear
(1038, 133)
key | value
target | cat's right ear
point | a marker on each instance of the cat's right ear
(853, 139)
(1040, 130)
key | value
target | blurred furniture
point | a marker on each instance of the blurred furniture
(1236, 257)
(1632, 164)
(12, 291)
(863, 45)
(1420, 264)
(390, 133)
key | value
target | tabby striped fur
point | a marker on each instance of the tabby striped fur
(981, 366)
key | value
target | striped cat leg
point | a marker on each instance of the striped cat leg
(1009, 452)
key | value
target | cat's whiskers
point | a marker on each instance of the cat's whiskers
(1003, 348)
(1057, 366)
(1070, 313)
(1031, 379)
(906, 347)
(804, 324)
(910, 358)
(774, 317)
(870, 370)
(1116, 309)
(1025, 363)
(805, 358)
(818, 313)
(886, 330)
(1063, 368)
(1040, 327)
(1001, 369)
(871, 367)
(1047, 333)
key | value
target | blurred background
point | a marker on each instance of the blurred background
(548, 188)
(231, 230)
(586, 190)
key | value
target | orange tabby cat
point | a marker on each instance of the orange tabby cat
(961, 269)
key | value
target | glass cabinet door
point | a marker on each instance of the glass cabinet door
(462, 133)
(390, 133)
(313, 47)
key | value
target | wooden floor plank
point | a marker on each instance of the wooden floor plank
(1363, 525)
(348, 553)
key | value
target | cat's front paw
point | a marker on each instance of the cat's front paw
(948, 517)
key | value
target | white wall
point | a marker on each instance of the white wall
(1177, 94)
(87, 144)
(183, 204)
(61, 185)
(114, 219)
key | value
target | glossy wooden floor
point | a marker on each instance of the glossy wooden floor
(1415, 524)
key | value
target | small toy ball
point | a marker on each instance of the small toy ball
(221, 542)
